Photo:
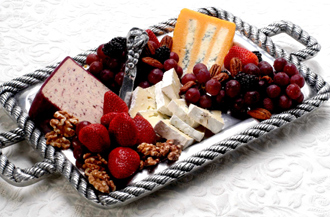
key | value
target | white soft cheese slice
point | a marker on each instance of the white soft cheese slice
(212, 120)
(171, 84)
(186, 129)
(179, 108)
(162, 100)
(142, 99)
(167, 131)
(153, 116)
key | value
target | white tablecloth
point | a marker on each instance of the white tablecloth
(286, 173)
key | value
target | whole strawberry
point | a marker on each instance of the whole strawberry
(107, 118)
(123, 162)
(124, 129)
(243, 54)
(146, 132)
(113, 103)
(95, 137)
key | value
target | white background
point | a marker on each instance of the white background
(284, 174)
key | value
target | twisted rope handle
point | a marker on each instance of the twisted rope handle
(136, 190)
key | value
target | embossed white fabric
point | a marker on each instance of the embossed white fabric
(285, 173)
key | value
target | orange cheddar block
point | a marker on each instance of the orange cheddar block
(199, 38)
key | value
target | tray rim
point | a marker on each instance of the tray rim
(159, 180)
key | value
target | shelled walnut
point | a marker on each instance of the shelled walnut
(63, 123)
(153, 154)
(95, 169)
(57, 140)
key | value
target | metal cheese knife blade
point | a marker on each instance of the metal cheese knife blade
(136, 40)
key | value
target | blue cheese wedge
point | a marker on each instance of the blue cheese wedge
(153, 116)
(171, 84)
(142, 99)
(179, 108)
(162, 100)
(167, 131)
(211, 120)
(186, 129)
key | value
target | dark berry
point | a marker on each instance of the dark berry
(162, 53)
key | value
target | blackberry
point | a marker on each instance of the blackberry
(248, 82)
(162, 53)
(115, 47)
(258, 54)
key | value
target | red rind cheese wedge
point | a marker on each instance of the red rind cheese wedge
(69, 88)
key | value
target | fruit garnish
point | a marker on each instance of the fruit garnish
(115, 47)
(243, 54)
(107, 118)
(146, 132)
(123, 162)
(162, 53)
(124, 129)
(95, 137)
(113, 103)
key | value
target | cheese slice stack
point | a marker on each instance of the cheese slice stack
(199, 38)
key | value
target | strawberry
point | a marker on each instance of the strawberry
(95, 137)
(107, 118)
(113, 103)
(146, 132)
(153, 37)
(123, 162)
(124, 130)
(243, 54)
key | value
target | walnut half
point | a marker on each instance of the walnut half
(63, 123)
(57, 140)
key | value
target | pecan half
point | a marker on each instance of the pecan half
(260, 113)
(221, 77)
(186, 87)
(167, 41)
(149, 49)
(235, 66)
(215, 70)
(152, 62)
(267, 79)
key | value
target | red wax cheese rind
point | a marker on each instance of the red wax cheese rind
(69, 88)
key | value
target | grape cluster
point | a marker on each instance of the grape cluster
(275, 88)
(108, 63)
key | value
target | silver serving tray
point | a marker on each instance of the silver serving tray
(16, 97)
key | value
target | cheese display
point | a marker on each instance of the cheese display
(212, 120)
(186, 129)
(180, 109)
(166, 130)
(199, 38)
(72, 89)
(142, 99)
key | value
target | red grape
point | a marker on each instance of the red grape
(111, 63)
(251, 69)
(300, 98)
(298, 79)
(273, 91)
(78, 152)
(174, 56)
(106, 75)
(233, 88)
(198, 67)
(284, 102)
(95, 68)
(238, 105)
(144, 84)
(169, 64)
(251, 97)
(213, 87)
(80, 125)
(279, 64)
(155, 76)
(203, 75)
(265, 68)
(268, 104)
(188, 77)
(100, 53)
(290, 69)
(205, 101)
(119, 77)
(91, 58)
(192, 95)
(293, 91)
(281, 79)
(75, 142)
(179, 71)
(220, 98)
